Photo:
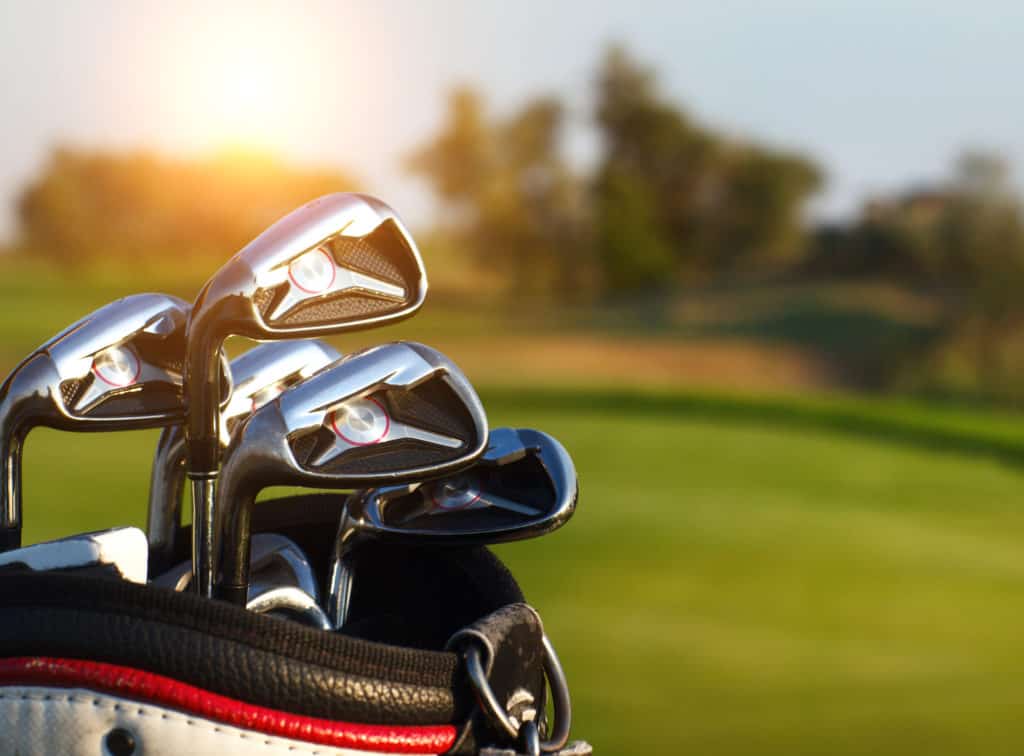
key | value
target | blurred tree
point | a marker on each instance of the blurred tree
(515, 203)
(633, 249)
(669, 199)
(718, 206)
(963, 238)
(88, 206)
(459, 161)
(979, 239)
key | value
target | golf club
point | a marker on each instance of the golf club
(523, 486)
(397, 412)
(341, 262)
(119, 368)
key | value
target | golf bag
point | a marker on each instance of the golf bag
(441, 654)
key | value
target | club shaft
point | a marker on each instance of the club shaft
(204, 554)
(10, 514)
(23, 400)
(165, 496)
(339, 592)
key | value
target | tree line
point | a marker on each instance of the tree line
(668, 203)
(89, 206)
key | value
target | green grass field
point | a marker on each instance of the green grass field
(742, 575)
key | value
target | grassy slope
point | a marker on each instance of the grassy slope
(770, 576)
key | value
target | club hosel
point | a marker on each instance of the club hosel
(23, 395)
(233, 594)
(202, 428)
(10, 507)
(235, 562)
(251, 463)
(221, 308)
(165, 491)
(203, 458)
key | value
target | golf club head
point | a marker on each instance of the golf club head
(287, 601)
(340, 262)
(393, 413)
(523, 486)
(264, 372)
(120, 553)
(118, 368)
(276, 561)
(258, 375)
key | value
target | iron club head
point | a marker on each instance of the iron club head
(396, 412)
(523, 486)
(115, 369)
(275, 560)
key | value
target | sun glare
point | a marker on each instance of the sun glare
(248, 87)
(242, 102)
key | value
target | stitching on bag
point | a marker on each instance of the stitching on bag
(190, 722)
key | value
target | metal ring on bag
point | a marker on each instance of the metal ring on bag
(559, 694)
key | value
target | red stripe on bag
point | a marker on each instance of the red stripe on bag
(136, 684)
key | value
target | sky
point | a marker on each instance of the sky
(883, 94)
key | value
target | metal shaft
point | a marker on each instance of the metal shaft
(10, 517)
(203, 532)
(339, 592)
(167, 481)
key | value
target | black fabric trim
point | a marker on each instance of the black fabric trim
(412, 598)
(224, 649)
(217, 619)
(222, 666)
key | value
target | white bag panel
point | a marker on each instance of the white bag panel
(38, 721)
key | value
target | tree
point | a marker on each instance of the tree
(633, 250)
(669, 199)
(94, 205)
(515, 202)
(459, 161)
(964, 238)
(716, 204)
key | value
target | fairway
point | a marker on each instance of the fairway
(742, 575)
